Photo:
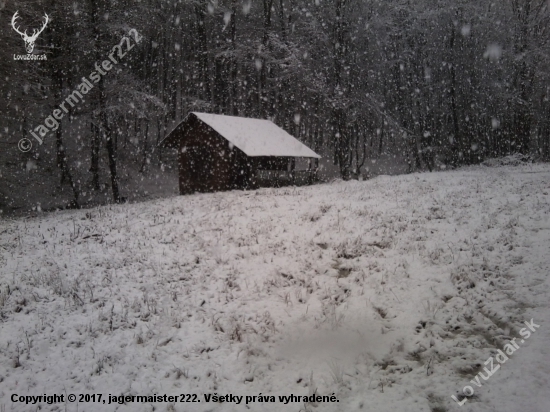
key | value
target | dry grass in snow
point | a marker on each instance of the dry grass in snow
(389, 293)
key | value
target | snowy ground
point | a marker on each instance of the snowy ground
(390, 293)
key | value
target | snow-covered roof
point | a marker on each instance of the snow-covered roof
(256, 137)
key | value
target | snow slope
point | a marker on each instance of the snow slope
(390, 293)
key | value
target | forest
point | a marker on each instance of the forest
(434, 83)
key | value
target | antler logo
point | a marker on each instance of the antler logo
(29, 40)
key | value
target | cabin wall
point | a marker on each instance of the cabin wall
(205, 160)
(243, 171)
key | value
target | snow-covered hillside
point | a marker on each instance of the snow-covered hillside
(389, 293)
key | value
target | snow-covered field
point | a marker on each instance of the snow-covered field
(390, 293)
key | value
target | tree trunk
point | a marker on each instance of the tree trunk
(455, 144)
(104, 123)
(57, 82)
(202, 53)
(94, 166)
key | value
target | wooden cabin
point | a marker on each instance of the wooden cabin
(219, 152)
